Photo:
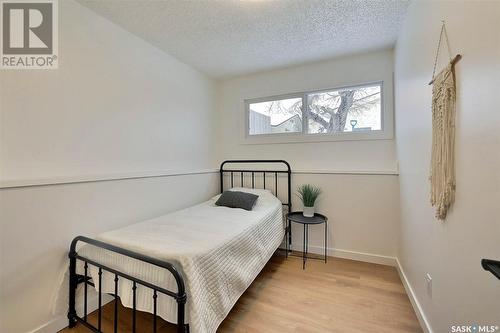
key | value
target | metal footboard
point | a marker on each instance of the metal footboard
(74, 280)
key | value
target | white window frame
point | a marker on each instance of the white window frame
(386, 131)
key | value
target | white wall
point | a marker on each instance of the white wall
(39, 222)
(374, 155)
(363, 209)
(363, 212)
(451, 250)
(115, 105)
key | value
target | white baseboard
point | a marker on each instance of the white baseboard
(55, 325)
(424, 323)
(61, 321)
(352, 255)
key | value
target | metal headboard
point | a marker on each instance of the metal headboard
(255, 172)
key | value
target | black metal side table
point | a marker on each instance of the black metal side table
(298, 217)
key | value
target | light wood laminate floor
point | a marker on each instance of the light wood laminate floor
(339, 296)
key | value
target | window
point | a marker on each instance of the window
(343, 111)
(276, 116)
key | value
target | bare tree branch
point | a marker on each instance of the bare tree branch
(338, 115)
(317, 118)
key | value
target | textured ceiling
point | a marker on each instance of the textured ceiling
(228, 38)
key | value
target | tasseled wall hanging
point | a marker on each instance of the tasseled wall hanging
(443, 133)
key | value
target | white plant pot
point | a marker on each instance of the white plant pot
(308, 211)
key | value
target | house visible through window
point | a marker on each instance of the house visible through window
(277, 116)
(334, 111)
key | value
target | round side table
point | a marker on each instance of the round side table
(298, 217)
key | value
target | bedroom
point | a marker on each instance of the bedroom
(146, 99)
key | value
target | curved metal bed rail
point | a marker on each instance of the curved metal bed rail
(256, 161)
(288, 171)
(180, 296)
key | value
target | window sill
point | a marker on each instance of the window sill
(315, 138)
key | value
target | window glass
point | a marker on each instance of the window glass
(345, 110)
(276, 116)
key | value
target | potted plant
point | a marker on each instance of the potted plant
(308, 194)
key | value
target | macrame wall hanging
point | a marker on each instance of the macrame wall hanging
(442, 175)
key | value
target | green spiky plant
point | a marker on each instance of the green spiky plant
(308, 194)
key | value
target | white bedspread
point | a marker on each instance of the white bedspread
(218, 250)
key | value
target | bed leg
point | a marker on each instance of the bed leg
(181, 308)
(72, 290)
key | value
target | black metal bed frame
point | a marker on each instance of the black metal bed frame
(180, 296)
(243, 171)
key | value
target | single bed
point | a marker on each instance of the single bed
(188, 267)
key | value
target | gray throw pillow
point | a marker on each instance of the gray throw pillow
(236, 199)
